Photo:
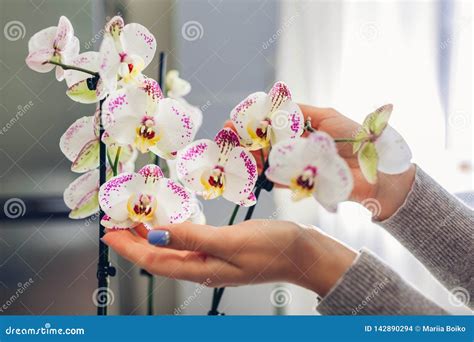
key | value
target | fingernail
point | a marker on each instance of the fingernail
(159, 237)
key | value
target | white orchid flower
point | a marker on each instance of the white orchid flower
(380, 147)
(141, 117)
(264, 119)
(176, 87)
(146, 197)
(55, 43)
(125, 51)
(311, 166)
(219, 167)
(80, 144)
(83, 87)
(82, 195)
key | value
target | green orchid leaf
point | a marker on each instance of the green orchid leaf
(368, 160)
(376, 121)
(88, 158)
(88, 206)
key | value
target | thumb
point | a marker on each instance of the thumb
(190, 237)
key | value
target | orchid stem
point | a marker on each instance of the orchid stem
(72, 67)
(116, 162)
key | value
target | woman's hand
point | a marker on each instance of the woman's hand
(255, 251)
(390, 190)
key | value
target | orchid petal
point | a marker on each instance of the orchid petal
(130, 101)
(109, 63)
(194, 160)
(279, 95)
(123, 130)
(138, 40)
(376, 121)
(248, 114)
(176, 86)
(175, 205)
(334, 183)
(226, 139)
(368, 159)
(64, 33)
(286, 122)
(43, 39)
(285, 160)
(152, 173)
(174, 126)
(109, 223)
(240, 176)
(37, 59)
(80, 133)
(80, 195)
(88, 157)
(394, 153)
(81, 92)
(114, 195)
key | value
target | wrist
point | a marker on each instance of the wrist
(392, 191)
(321, 261)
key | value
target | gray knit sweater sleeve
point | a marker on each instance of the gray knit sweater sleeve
(438, 230)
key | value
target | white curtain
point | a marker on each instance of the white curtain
(355, 56)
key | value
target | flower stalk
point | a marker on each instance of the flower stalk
(72, 67)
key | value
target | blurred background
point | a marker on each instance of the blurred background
(353, 56)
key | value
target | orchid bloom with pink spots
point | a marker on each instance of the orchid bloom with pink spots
(55, 43)
(80, 144)
(219, 167)
(141, 117)
(146, 197)
(311, 166)
(125, 51)
(264, 119)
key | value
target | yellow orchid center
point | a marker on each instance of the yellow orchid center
(304, 185)
(213, 182)
(260, 135)
(130, 68)
(147, 135)
(141, 207)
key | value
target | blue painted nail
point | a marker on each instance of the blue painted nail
(159, 237)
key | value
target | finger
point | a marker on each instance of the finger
(316, 114)
(141, 231)
(191, 237)
(168, 262)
